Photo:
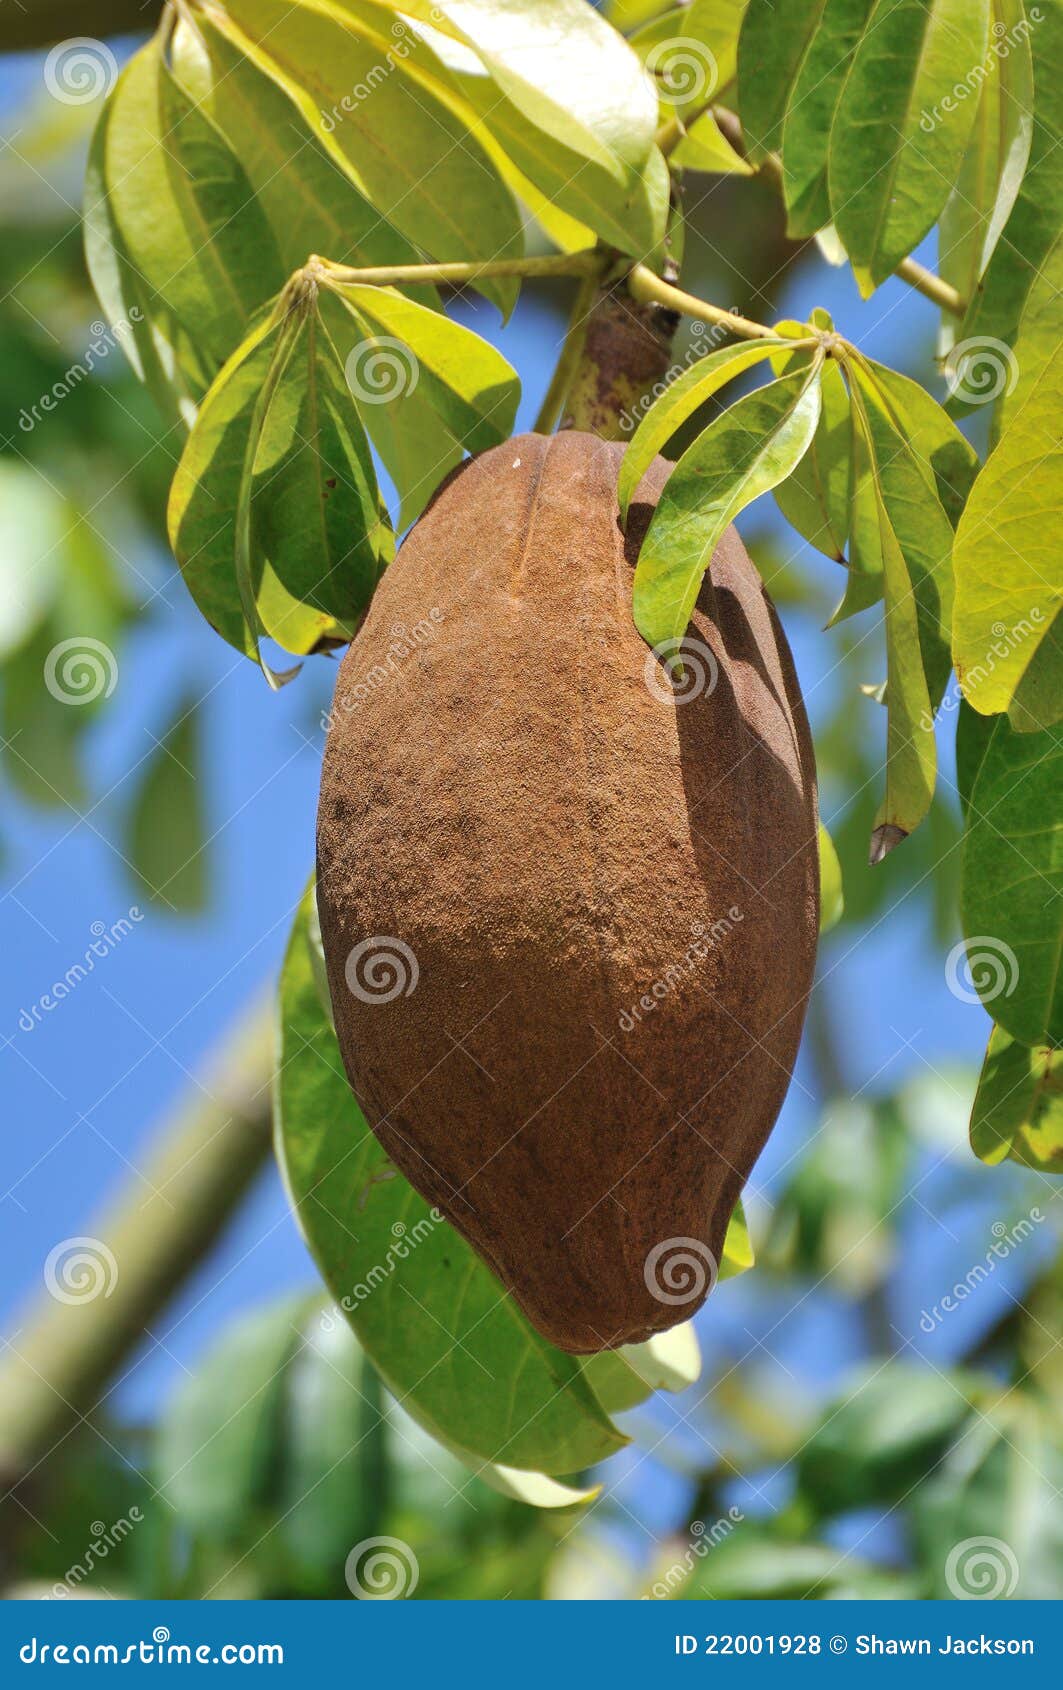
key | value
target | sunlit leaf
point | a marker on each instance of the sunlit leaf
(1009, 557)
(996, 157)
(745, 452)
(185, 211)
(1037, 215)
(1018, 1109)
(1012, 892)
(831, 895)
(405, 150)
(809, 112)
(815, 496)
(899, 133)
(679, 401)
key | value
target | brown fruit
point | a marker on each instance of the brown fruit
(605, 895)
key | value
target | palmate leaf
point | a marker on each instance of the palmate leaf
(996, 157)
(747, 451)
(274, 514)
(895, 146)
(566, 98)
(186, 215)
(413, 158)
(471, 387)
(1009, 564)
(448, 1341)
(1018, 1109)
(1011, 899)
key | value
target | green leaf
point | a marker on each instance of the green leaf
(973, 733)
(745, 452)
(910, 754)
(167, 827)
(881, 1437)
(412, 157)
(1018, 1109)
(1009, 557)
(774, 42)
(279, 424)
(738, 1254)
(985, 1521)
(472, 387)
(815, 497)
(1012, 885)
(691, 52)
(679, 401)
(705, 148)
(907, 487)
(809, 113)
(567, 99)
(948, 460)
(312, 206)
(831, 893)
(217, 1441)
(895, 147)
(996, 157)
(1037, 215)
(623, 1378)
(535, 1490)
(184, 209)
(327, 1447)
(134, 313)
(449, 1343)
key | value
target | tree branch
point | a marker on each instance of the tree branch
(25, 24)
(54, 1370)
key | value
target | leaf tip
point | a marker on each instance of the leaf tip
(884, 840)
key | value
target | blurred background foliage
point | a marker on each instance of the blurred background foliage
(844, 1436)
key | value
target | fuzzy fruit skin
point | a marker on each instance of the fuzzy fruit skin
(554, 835)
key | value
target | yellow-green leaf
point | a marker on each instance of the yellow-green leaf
(1018, 1109)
